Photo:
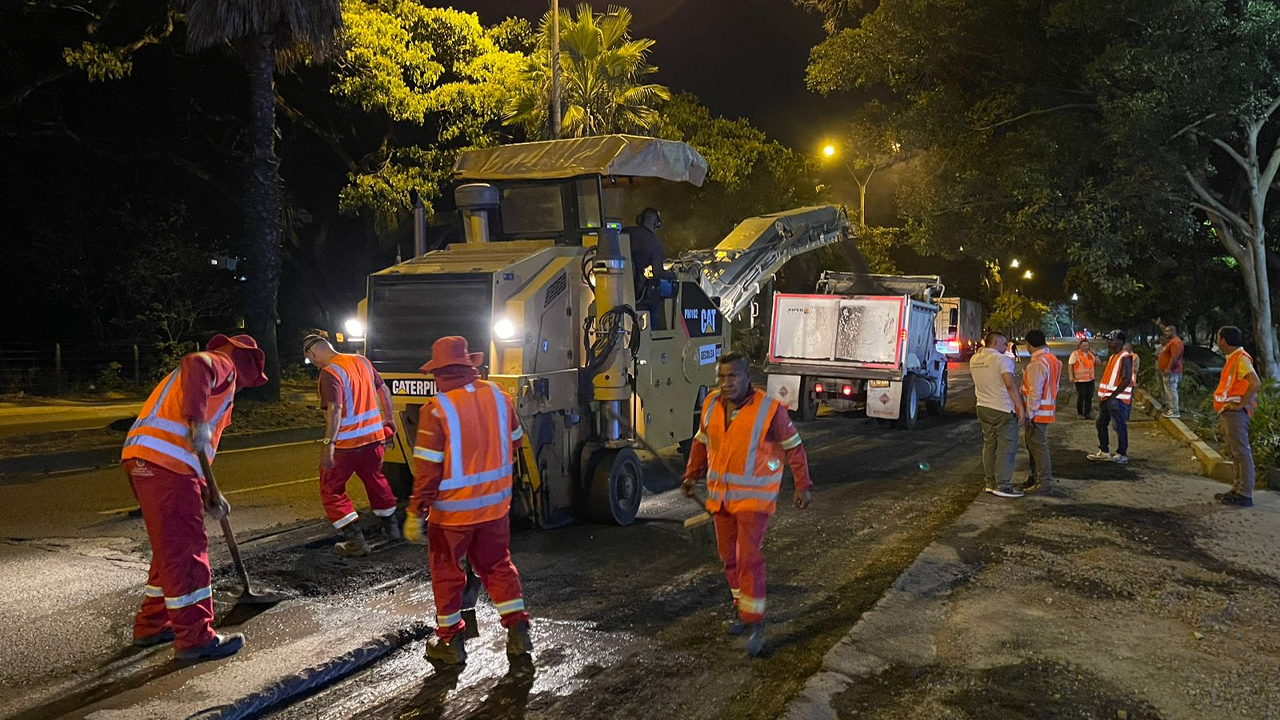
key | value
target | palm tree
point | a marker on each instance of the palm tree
(263, 34)
(602, 76)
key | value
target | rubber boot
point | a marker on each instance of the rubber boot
(220, 646)
(391, 528)
(447, 652)
(160, 638)
(518, 640)
(354, 545)
(755, 639)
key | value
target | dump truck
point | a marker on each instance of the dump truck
(859, 340)
(542, 283)
(958, 327)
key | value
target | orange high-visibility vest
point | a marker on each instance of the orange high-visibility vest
(1231, 388)
(361, 421)
(1083, 367)
(744, 469)
(161, 434)
(1048, 410)
(1111, 379)
(477, 456)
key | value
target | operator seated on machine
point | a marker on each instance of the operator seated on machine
(646, 253)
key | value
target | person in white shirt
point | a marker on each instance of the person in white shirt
(1000, 411)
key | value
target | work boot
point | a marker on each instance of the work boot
(755, 639)
(160, 638)
(219, 647)
(1234, 498)
(518, 640)
(734, 625)
(391, 528)
(354, 545)
(447, 652)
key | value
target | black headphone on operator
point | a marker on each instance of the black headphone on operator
(657, 217)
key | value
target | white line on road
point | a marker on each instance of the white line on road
(267, 447)
(131, 508)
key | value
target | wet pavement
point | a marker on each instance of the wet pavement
(627, 621)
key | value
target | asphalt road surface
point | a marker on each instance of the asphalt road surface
(628, 622)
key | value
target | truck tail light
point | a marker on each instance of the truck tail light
(847, 390)
(817, 387)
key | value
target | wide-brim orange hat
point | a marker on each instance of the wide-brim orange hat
(451, 350)
(246, 355)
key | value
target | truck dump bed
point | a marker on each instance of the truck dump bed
(860, 331)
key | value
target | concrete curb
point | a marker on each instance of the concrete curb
(1212, 464)
(308, 679)
(901, 623)
(91, 458)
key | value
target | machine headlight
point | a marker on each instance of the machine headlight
(504, 329)
(354, 328)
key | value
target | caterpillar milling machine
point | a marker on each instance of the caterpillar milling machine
(543, 283)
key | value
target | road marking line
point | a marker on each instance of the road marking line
(131, 508)
(267, 447)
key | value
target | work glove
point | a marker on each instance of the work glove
(201, 438)
(415, 528)
(687, 486)
(216, 507)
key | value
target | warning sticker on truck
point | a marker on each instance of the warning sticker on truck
(708, 354)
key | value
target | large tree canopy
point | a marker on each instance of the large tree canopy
(1104, 133)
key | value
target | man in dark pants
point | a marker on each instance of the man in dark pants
(1235, 398)
(1115, 391)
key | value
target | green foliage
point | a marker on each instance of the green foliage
(432, 81)
(748, 175)
(603, 78)
(1049, 130)
(100, 61)
(1264, 429)
(1015, 314)
(110, 379)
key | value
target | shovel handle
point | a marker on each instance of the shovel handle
(226, 525)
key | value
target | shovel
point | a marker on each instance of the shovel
(247, 595)
(701, 530)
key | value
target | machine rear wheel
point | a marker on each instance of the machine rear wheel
(616, 482)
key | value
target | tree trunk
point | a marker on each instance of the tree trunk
(262, 208)
(1263, 332)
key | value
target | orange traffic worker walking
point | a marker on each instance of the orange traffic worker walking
(184, 417)
(359, 420)
(744, 437)
(467, 440)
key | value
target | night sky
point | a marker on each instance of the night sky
(742, 58)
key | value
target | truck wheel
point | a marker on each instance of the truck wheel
(938, 405)
(910, 408)
(616, 481)
(807, 403)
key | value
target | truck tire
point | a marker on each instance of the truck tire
(616, 481)
(938, 405)
(909, 411)
(807, 403)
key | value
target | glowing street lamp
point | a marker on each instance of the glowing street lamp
(1014, 264)
(1027, 275)
(829, 150)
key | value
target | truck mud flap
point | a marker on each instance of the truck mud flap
(885, 401)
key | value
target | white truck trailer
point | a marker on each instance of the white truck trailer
(958, 326)
(862, 339)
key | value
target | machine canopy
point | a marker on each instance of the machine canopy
(620, 155)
